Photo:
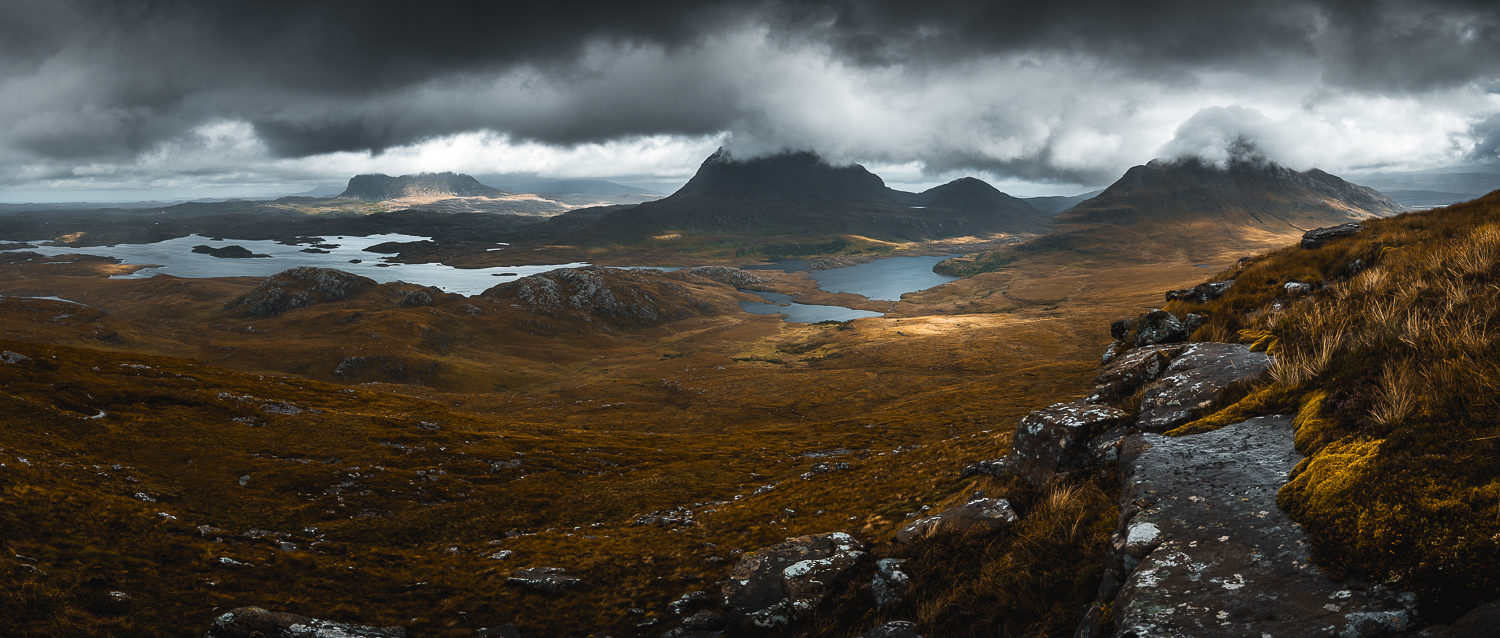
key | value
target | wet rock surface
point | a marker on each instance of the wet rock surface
(1055, 439)
(1194, 380)
(990, 512)
(1207, 552)
(1318, 236)
(546, 580)
(298, 288)
(254, 622)
(785, 582)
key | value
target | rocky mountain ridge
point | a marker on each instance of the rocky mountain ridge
(379, 187)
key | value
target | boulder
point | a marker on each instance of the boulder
(1296, 289)
(1206, 552)
(547, 580)
(687, 602)
(1159, 326)
(254, 622)
(989, 468)
(1114, 349)
(890, 583)
(1055, 439)
(989, 512)
(784, 582)
(893, 629)
(1131, 370)
(1195, 379)
(298, 288)
(1318, 236)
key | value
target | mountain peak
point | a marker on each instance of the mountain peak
(791, 176)
(379, 187)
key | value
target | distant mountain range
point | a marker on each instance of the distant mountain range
(798, 193)
(546, 186)
(382, 187)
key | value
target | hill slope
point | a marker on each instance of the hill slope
(800, 194)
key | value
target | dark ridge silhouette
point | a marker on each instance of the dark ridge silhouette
(382, 187)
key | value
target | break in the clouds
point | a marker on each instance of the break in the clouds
(180, 95)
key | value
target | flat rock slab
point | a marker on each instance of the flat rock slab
(1130, 370)
(989, 512)
(1195, 379)
(1217, 558)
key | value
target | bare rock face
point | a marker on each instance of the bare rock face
(1201, 292)
(254, 622)
(1206, 552)
(1160, 326)
(298, 288)
(729, 276)
(785, 582)
(890, 583)
(621, 297)
(1194, 380)
(989, 512)
(1055, 439)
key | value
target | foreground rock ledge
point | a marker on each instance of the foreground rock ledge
(1208, 553)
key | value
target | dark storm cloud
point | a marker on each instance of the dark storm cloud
(109, 79)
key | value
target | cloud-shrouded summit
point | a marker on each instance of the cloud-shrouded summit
(171, 94)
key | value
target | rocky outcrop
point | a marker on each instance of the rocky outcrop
(1126, 373)
(730, 277)
(1197, 378)
(775, 585)
(1202, 550)
(298, 288)
(1055, 439)
(1159, 326)
(546, 580)
(988, 512)
(377, 187)
(1316, 237)
(254, 622)
(1201, 293)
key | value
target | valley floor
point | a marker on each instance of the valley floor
(191, 460)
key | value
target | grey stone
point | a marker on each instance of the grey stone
(784, 582)
(687, 602)
(893, 629)
(12, 357)
(989, 512)
(889, 584)
(1201, 293)
(1213, 556)
(994, 467)
(1159, 326)
(1296, 289)
(1113, 350)
(254, 622)
(298, 288)
(1131, 370)
(547, 580)
(1194, 380)
(1055, 439)
(704, 620)
(1318, 236)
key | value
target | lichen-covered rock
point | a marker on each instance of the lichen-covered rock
(989, 512)
(784, 582)
(254, 622)
(1055, 439)
(1208, 553)
(298, 288)
(1318, 236)
(1195, 379)
(1296, 288)
(421, 297)
(994, 467)
(1159, 326)
(890, 583)
(547, 580)
(893, 629)
(1131, 370)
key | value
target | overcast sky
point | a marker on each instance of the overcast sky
(145, 99)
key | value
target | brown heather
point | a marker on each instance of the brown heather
(1393, 371)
